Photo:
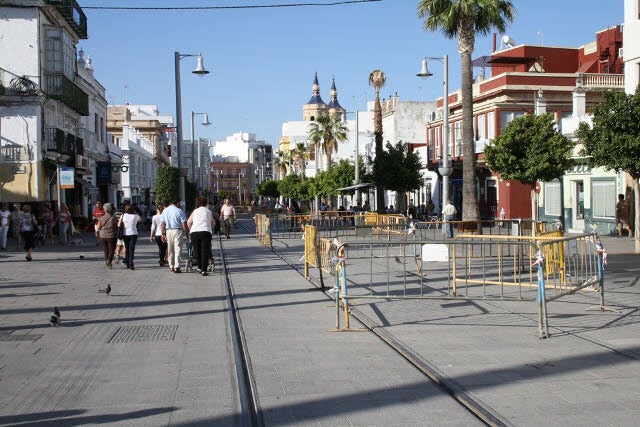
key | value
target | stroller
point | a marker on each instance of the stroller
(191, 259)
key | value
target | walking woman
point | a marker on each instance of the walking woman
(201, 224)
(156, 235)
(130, 220)
(64, 218)
(48, 219)
(14, 224)
(4, 225)
(106, 229)
(28, 225)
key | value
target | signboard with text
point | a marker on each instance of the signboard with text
(66, 177)
(103, 173)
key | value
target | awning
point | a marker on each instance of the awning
(356, 187)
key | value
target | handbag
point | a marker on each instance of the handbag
(120, 232)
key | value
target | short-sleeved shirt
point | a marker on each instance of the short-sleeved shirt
(173, 217)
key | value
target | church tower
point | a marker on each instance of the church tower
(316, 106)
(335, 109)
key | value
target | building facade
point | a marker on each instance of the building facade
(43, 106)
(518, 76)
(631, 52)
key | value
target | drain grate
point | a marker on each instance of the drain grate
(144, 333)
(9, 336)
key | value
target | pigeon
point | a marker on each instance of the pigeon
(398, 260)
(55, 318)
(106, 290)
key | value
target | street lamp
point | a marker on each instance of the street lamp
(205, 122)
(240, 175)
(200, 71)
(445, 167)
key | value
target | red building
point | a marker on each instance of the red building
(520, 78)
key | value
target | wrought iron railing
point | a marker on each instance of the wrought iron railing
(13, 153)
(59, 87)
(57, 140)
(73, 14)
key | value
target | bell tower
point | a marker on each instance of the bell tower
(316, 106)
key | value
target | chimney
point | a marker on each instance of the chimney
(540, 104)
(579, 101)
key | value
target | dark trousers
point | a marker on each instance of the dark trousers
(109, 247)
(201, 244)
(130, 249)
(162, 248)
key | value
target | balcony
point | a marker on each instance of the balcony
(13, 153)
(73, 14)
(58, 86)
(59, 143)
(602, 81)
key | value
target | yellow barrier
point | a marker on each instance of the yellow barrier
(317, 251)
(263, 230)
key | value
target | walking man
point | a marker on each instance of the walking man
(174, 230)
(228, 216)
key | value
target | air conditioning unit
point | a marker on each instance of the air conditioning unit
(621, 52)
(83, 162)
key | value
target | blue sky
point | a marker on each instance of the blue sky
(262, 61)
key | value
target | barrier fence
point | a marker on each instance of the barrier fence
(482, 267)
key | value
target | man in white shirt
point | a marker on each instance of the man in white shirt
(227, 216)
(449, 213)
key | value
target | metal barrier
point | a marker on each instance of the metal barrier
(263, 230)
(467, 268)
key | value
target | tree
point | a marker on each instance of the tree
(377, 79)
(167, 184)
(398, 168)
(528, 150)
(290, 187)
(268, 188)
(613, 141)
(299, 155)
(464, 19)
(328, 131)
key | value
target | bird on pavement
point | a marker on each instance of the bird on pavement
(55, 318)
(398, 260)
(106, 290)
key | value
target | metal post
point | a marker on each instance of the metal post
(181, 195)
(445, 133)
(357, 163)
(193, 151)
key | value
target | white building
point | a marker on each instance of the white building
(197, 160)
(237, 145)
(138, 178)
(630, 37)
(42, 101)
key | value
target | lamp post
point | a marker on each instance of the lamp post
(445, 167)
(240, 175)
(205, 122)
(200, 71)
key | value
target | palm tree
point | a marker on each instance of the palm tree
(464, 19)
(328, 131)
(300, 154)
(377, 79)
(281, 164)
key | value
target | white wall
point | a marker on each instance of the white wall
(19, 43)
(631, 46)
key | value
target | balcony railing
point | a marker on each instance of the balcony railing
(603, 81)
(59, 141)
(73, 14)
(59, 87)
(13, 153)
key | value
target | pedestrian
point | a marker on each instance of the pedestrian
(28, 228)
(49, 221)
(156, 235)
(201, 224)
(120, 251)
(64, 222)
(228, 216)
(130, 220)
(449, 213)
(622, 216)
(98, 212)
(107, 228)
(14, 224)
(174, 230)
(5, 213)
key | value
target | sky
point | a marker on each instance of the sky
(262, 60)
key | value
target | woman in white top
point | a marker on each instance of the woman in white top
(156, 235)
(201, 224)
(130, 221)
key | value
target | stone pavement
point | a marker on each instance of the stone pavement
(157, 351)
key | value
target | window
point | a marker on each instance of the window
(481, 127)
(96, 125)
(491, 125)
(457, 133)
(603, 194)
(552, 198)
(102, 129)
(507, 116)
(59, 52)
(438, 147)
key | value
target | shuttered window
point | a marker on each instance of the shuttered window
(552, 198)
(603, 195)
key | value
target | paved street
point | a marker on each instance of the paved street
(157, 350)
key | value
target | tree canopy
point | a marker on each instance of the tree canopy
(613, 141)
(530, 149)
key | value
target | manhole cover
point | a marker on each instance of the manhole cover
(144, 333)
